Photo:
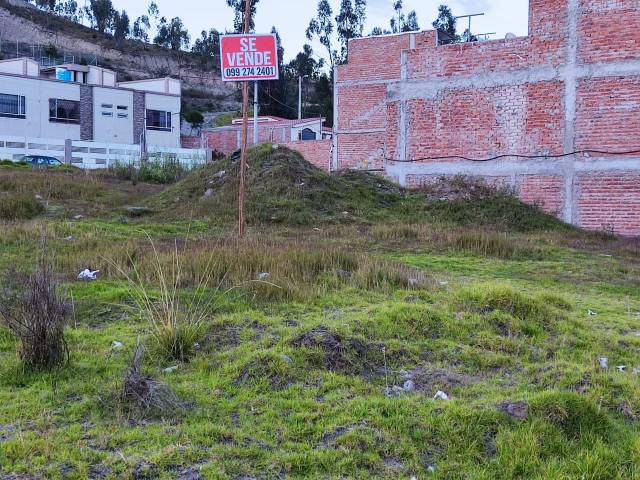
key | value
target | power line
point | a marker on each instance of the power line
(529, 157)
(278, 101)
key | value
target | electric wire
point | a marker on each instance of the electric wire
(528, 157)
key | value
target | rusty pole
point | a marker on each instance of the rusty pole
(242, 224)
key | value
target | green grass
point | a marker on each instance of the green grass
(289, 376)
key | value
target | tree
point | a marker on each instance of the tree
(322, 28)
(350, 23)
(121, 26)
(239, 7)
(411, 25)
(194, 118)
(172, 34)
(141, 28)
(69, 9)
(153, 14)
(445, 24)
(47, 4)
(400, 22)
(207, 47)
(100, 13)
(305, 65)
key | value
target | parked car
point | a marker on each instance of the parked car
(41, 161)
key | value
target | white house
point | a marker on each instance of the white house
(80, 102)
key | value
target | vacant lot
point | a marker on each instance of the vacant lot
(314, 348)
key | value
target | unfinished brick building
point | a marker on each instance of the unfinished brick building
(411, 107)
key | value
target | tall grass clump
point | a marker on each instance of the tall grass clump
(158, 170)
(21, 206)
(177, 323)
(36, 312)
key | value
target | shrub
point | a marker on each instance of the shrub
(160, 170)
(20, 206)
(36, 316)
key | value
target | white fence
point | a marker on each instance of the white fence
(93, 155)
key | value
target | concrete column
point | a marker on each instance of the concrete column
(86, 112)
(570, 78)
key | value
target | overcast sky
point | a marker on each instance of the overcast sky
(291, 17)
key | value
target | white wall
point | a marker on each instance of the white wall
(316, 127)
(112, 129)
(167, 104)
(101, 76)
(167, 85)
(37, 93)
(20, 66)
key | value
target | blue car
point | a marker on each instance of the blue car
(42, 161)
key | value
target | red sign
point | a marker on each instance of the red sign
(249, 57)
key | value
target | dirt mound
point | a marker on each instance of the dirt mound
(283, 188)
(338, 353)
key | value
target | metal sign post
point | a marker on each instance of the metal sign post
(248, 57)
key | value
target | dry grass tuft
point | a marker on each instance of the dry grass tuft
(142, 395)
(37, 315)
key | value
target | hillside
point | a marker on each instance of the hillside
(133, 60)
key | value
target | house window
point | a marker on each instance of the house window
(158, 120)
(107, 114)
(64, 111)
(12, 106)
(107, 105)
(123, 115)
(307, 134)
(123, 107)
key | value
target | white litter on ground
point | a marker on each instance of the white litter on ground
(88, 275)
(441, 395)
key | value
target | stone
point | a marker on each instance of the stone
(138, 211)
(409, 386)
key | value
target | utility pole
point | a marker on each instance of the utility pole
(255, 113)
(300, 77)
(242, 224)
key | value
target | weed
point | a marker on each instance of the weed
(36, 316)
(19, 206)
(155, 170)
(143, 396)
(176, 326)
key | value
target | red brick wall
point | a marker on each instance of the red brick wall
(572, 84)
(610, 202)
(225, 141)
(546, 191)
(317, 152)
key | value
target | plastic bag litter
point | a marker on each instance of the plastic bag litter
(604, 362)
(88, 275)
(441, 395)
(117, 345)
(621, 368)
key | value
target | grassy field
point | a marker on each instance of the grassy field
(314, 347)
